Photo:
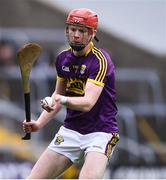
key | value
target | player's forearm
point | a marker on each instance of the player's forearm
(79, 103)
(84, 103)
(45, 116)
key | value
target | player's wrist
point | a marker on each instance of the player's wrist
(63, 100)
(39, 125)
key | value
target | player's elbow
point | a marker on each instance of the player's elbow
(87, 107)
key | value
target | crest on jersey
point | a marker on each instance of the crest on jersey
(59, 140)
(82, 70)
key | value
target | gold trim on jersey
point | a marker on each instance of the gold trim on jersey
(91, 47)
(96, 82)
(60, 78)
(103, 64)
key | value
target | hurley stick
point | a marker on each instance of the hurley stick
(26, 57)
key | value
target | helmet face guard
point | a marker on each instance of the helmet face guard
(84, 18)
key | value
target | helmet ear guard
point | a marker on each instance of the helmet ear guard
(96, 39)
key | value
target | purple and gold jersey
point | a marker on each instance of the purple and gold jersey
(95, 67)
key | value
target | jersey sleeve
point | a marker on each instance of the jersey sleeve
(59, 69)
(98, 69)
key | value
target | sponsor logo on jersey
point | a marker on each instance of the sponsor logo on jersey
(65, 68)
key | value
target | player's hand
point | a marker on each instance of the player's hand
(31, 126)
(46, 106)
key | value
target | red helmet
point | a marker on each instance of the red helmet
(84, 17)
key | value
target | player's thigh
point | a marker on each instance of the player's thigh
(94, 166)
(49, 165)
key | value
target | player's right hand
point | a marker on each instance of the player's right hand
(31, 126)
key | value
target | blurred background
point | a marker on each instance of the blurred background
(134, 33)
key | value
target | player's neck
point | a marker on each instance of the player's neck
(82, 52)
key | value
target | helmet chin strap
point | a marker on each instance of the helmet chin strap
(77, 47)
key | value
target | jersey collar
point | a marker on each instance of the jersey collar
(90, 49)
